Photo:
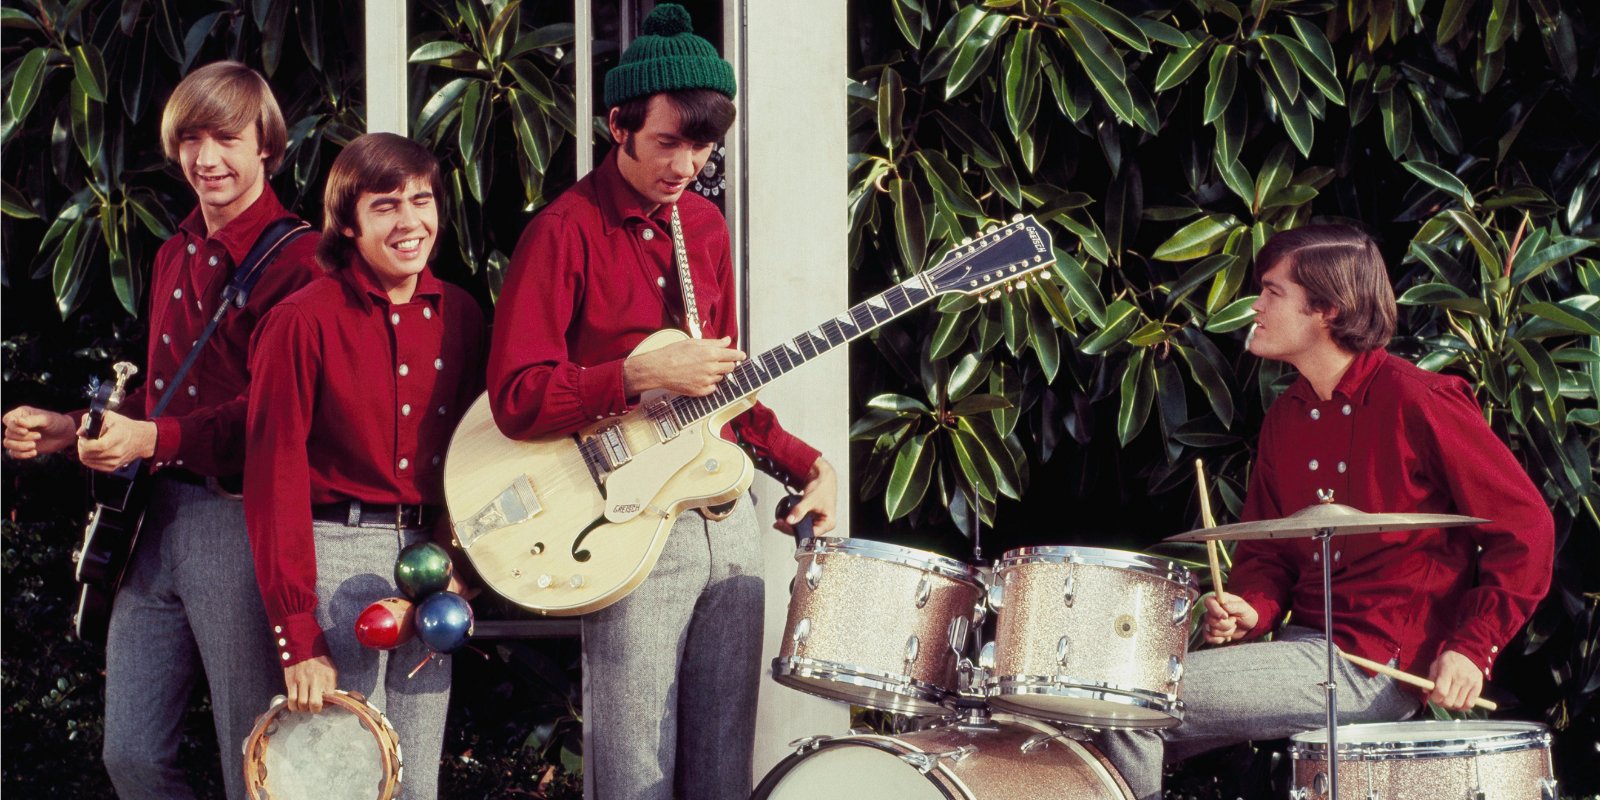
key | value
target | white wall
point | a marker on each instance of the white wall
(792, 89)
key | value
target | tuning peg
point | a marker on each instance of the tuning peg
(990, 231)
(983, 299)
(994, 295)
(966, 240)
(1016, 217)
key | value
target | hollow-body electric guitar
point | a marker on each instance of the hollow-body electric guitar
(565, 525)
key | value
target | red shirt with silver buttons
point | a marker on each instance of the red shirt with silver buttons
(202, 428)
(352, 397)
(591, 277)
(1397, 438)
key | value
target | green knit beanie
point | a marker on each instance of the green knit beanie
(668, 57)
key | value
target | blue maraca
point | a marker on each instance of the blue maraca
(444, 621)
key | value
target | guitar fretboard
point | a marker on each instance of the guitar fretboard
(768, 366)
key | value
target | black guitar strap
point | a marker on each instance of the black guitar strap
(262, 253)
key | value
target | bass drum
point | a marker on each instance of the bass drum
(1002, 759)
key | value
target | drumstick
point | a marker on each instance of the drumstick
(1406, 677)
(1205, 519)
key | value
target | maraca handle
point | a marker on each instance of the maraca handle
(803, 528)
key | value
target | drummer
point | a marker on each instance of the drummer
(1384, 436)
(357, 382)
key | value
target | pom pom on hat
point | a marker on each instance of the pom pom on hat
(667, 57)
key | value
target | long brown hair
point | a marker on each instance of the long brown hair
(224, 97)
(374, 162)
(1342, 272)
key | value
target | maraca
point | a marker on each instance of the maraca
(444, 621)
(422, 569)
(386, 624)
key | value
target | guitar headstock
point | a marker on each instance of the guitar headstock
(105, 397)
(1003, 258)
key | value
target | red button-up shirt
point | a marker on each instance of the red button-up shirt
(591, 277)
(1396, 438)
(202, 428)
(352, 397)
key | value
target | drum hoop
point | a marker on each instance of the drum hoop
(997, 689)
(1515, 737)
(255, 745)
(888, 744)
(894, 554)
(1100, 557)
(796, 666)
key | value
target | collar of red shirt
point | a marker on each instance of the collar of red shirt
(239, 235)
(358, 276)
(1353, 385)
(618, 201)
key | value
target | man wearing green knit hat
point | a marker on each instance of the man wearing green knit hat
(672, 668)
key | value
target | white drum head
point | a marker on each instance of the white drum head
(1423, 737)
(854, 771)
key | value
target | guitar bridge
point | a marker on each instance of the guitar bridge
(516, 504)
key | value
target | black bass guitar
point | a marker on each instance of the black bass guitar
(113, 529)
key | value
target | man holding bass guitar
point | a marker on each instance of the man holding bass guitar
(187, 602)
(674, 665)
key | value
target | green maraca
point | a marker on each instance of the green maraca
(422, 569)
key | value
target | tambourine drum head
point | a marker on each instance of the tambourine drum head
(326, 755)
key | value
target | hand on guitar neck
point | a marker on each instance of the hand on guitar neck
(121, 442)
(691, 367)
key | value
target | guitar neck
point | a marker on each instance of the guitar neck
(766, 367)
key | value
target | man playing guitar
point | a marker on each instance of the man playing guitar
(674, 665)
(1385, 437)
(187, 603)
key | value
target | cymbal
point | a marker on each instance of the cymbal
(1333, 517)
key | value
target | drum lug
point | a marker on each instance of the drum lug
(1180, 610)
(986, 656)
(996, 596)
(805, 743)
(802, 631)
(813, 574)
(924, 589)
(1063, 650)
(1299, 793)
(925, 762)
(1174, 670)
(958, 634)
(1548, 789)
(1039, 741)
(913, 646)
(1069, 590)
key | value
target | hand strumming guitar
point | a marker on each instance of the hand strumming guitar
(32, 432)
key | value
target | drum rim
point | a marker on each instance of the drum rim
(784, 667)
(894, 554)
(998, 689)
(1515, 736)
(254, 745)
(1141, 563)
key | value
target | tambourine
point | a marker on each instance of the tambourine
(348, 750)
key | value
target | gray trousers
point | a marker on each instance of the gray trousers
(355, 566)
(1254, 691)
(188, 604)
(670, 672)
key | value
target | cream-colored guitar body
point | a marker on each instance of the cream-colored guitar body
(532, 517)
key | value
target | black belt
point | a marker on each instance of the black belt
(357, 514)
(222, 484)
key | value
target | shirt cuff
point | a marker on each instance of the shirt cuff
(298, 638)
(169, 438)
(601, 390)
(1481, 655)
(1267, 614)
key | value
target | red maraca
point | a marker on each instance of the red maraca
(387, 624)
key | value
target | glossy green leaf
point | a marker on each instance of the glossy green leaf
(1151, 333)
(974, 139)
(1451, 19)
(979, 403)
(899, 404)
(13, 204)
(1181, 63)
(910, 224)
(533, 138)
(1106, 71)
(974, 462)
(974, 55)
(1042, 336)
(911, 19)
(88, 124)
(1283, 67)
(947, 183)
(26, 82)
(949, 42)
(1225, 287)
(1529, 262)
(474, 130)
(1020, 68)
(1207, 370)
(1124, 207)
(1234, 316)
(1197, 239)
(1136, 393)
(1121, 318)
(441, 51)
(874, 424)
(1224, 72)
(1111, 21)
(1321, 75)
(967, 374)
(1488, 255)
(891, 110)
(1008, 473)
(1080, 287)
(950, 334)
(1396, 110)
(1070, 91)
(273, 32)
(1566, 316)
(89, 69)
(908, 482)
(1441, 179)
(441, 105)
(195, 39)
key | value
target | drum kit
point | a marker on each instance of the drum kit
(1085, 639)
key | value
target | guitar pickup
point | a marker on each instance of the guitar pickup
(516, 504)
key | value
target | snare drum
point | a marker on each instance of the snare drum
(877, 624)
(1089, 636)
(1006, 758)
(1428, 760)
(348, 750)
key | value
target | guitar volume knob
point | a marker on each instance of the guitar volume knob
(576, 582)
(544, 581)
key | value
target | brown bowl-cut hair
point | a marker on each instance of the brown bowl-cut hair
(1342, 272)
(706, 114)
(224, 97)
(377, 163)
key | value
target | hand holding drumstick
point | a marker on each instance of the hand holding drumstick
(1228, 618)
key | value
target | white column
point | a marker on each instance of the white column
(792, 201)
(387, 69)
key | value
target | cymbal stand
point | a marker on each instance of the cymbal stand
(1324, 536)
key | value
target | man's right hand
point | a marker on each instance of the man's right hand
(1228, 618)
(31, 432)
(308, 681)
(691, 367)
